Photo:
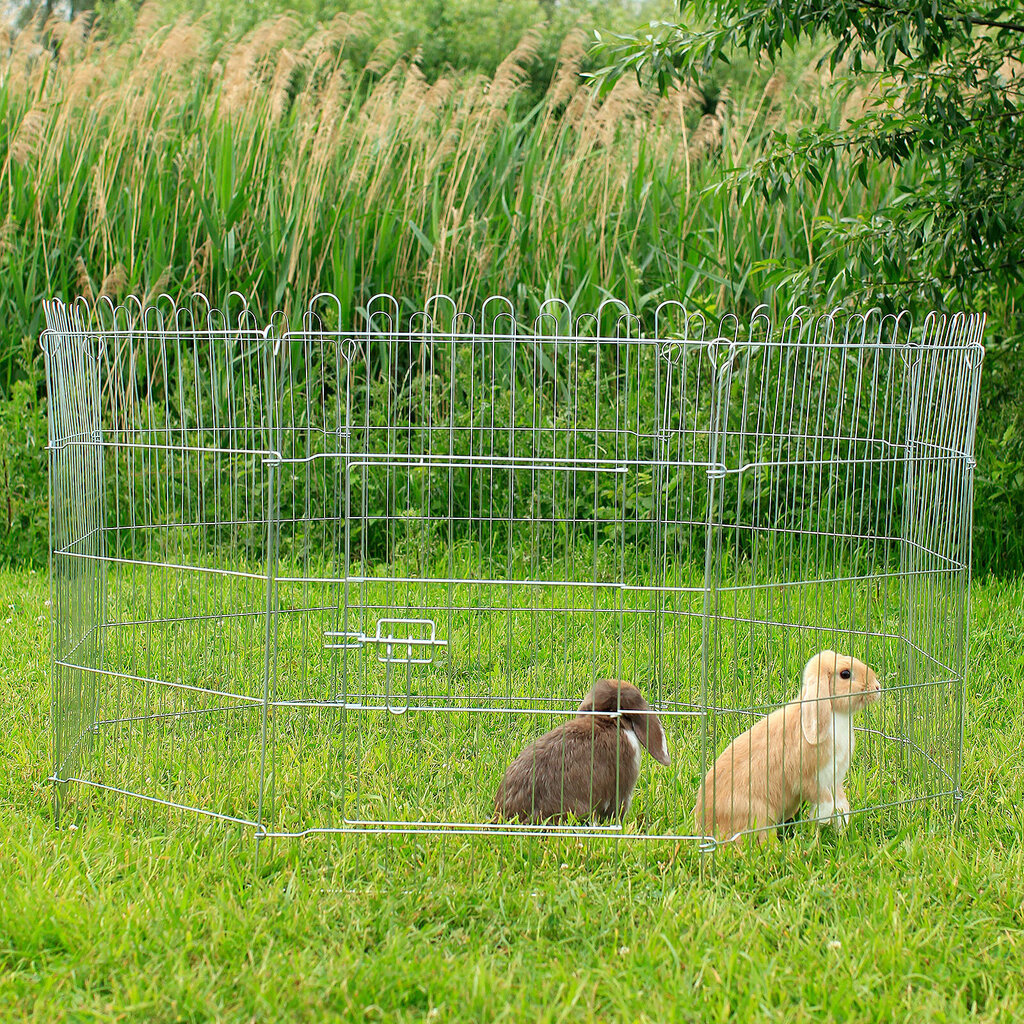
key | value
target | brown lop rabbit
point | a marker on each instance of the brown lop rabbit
(799, 754)
(588, 766)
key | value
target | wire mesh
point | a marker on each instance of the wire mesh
(310, 579)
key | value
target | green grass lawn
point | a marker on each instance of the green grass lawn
(137, 914)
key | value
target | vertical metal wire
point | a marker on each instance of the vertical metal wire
(272, 463)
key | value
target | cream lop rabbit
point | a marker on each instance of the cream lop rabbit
(799, 754)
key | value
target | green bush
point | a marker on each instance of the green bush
(999, 481)
(24, 520)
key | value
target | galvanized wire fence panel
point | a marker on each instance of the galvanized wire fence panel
(313, 579)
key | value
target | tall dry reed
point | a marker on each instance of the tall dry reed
(279, 166)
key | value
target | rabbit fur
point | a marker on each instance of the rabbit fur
(586, 767)
(799, 754)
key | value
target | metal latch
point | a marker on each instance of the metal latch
(406, 642)
(418, 649)
(411, 646)
(346, 641)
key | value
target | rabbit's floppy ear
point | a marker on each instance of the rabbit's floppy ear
(650, 733)
(815, 697)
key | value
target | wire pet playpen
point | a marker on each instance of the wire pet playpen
(309, 579)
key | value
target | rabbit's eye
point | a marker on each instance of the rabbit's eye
(845, 674)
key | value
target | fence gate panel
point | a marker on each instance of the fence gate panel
(500, 525)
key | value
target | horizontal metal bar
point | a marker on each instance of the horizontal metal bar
(159, 682)
(488, 339)
(352, 429)
(663, 709)
(511, 829)
(259, 613)
(401, 641)
(68, 754)
(572, 584)
(488, 462)
(760, 710)
(906, 742)
(513, 706)
(153, 446)
(163, 715)
(163, 565)
(505, 830)
(449, 828)
(492, 709)
(710, 843)
(93, 630)
(156, 800)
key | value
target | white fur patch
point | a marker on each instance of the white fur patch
(664, 748)
(634, 744)
(832, 773)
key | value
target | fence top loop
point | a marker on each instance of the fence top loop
(612, 320)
